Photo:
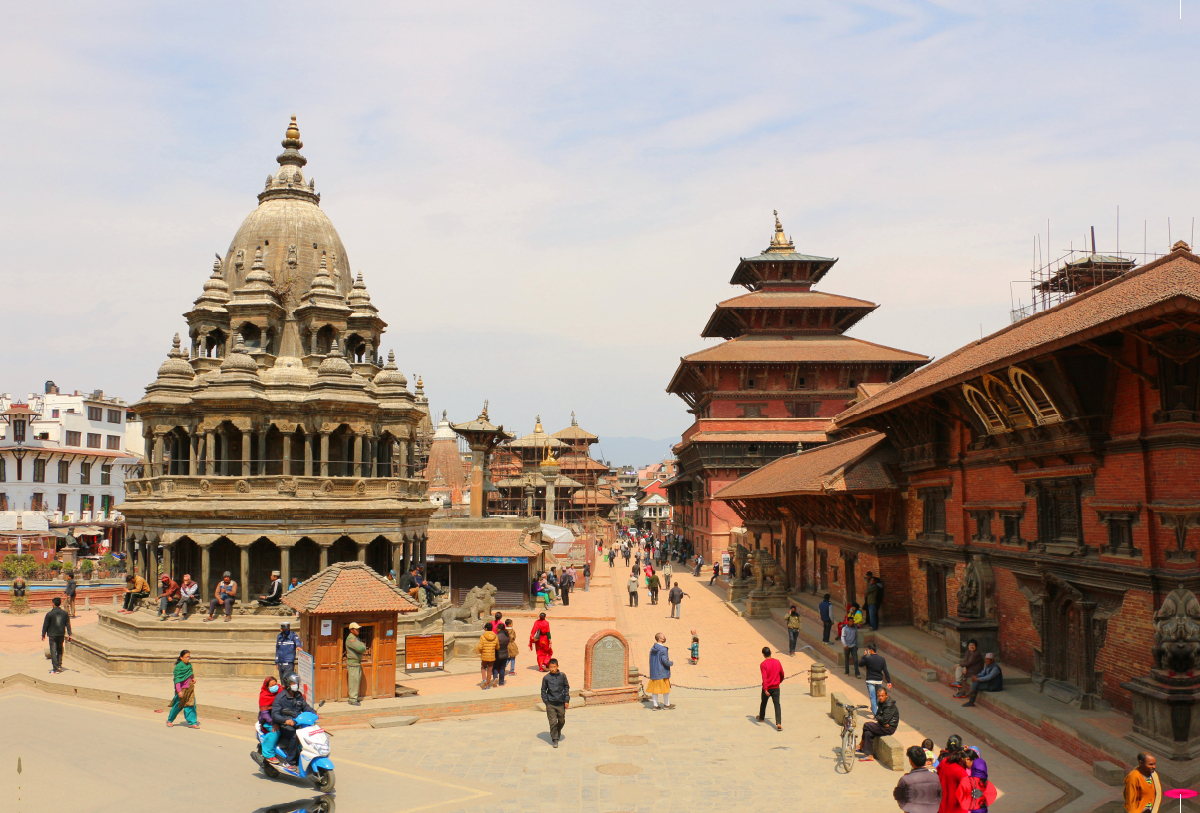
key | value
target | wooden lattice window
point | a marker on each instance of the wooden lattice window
(1034, 395)
(933, 515)
(985, 409)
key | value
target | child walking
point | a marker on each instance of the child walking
(695, 650)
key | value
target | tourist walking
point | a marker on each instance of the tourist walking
(699, 564)
(667, 573)
(170, 592)
(286, 644)
(513, 649)
(675, 597)
(1143, 791)
(660, 673)
(772, 678)
(825, 609)
(539, 636)
(652, 585)
(502, 644)
(877, 674)
(69, 592)
(224, 594)
(632, 586)
(556, 696)
(488, 644)
(185, 691)
(56, 626)
(793, 628)
(694, 650)
(189, 595)
(887, 717)
(850, 644)
(355, 649)
(715, 574)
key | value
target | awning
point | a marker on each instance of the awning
(88, 530)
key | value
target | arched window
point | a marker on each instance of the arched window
(1011, 409)
(1035, 396)
(985, 409)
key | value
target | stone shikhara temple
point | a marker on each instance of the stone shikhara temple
(281, 441)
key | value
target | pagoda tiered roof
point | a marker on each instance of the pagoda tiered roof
(785, 311)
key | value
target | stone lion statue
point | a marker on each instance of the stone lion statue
(479, 602)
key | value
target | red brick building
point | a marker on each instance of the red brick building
(1040, 486)
(785, 369)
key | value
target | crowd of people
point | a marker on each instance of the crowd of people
(953, 781)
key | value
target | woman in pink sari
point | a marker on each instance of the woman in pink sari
(540, 636)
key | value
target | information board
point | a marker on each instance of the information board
(424, 653)
(304, 668)
(725, 563)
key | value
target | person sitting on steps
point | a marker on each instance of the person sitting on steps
(990, 679)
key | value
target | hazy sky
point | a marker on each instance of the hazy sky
(546, 199)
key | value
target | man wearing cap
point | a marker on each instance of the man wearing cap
(170, 592)
(989, 679)
(285, 650)
(355, 649)
(274, 592)
(287, 706)
(226, 593)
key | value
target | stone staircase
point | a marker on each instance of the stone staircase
(139, 644)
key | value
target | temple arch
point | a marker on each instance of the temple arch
(985, 409)
(1035, 396)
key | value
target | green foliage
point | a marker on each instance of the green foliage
(18, 565)
(108, 562)
(87, 566)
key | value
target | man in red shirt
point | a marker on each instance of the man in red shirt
(772, 676)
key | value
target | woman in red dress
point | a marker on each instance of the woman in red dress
(540, 636)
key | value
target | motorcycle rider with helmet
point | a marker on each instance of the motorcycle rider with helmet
(287, 706)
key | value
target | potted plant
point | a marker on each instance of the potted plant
(86, 567)
(107, 565)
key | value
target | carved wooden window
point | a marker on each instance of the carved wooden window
(983, 525)
(804, 409)
(1002, 397)
(933, 517)
(752, 410)
(1035, 396)
(1060, 515)
(985, 409)
(1120, 534)
(1012, 529)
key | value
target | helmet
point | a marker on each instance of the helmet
(293, 682)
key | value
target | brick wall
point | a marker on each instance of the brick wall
(1018, 638)
(1126, 652)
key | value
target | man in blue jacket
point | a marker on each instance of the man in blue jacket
(287, 706)
(660, 673)
(285, 650)
(989, 679)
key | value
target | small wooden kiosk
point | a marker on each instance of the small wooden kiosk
(328, 602)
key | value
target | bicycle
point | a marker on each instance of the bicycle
(850, 737)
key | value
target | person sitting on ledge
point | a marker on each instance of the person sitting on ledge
(989, 680)
(136, 589)
(967, 668)
(274, 592)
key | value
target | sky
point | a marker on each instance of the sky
(547, 199)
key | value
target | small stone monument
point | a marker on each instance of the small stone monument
(816, 680)
(606, 669)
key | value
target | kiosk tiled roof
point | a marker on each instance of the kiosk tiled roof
(348, 587)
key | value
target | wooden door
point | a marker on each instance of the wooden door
(823, 570)
(385, 658)
(327, 656)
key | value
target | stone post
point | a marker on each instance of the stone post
(246, 452)
(286, 465)
(358, 461)
(308, 454)
(157, 463)
(324, 454)
(205, 566)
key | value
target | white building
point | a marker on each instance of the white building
(66, 455)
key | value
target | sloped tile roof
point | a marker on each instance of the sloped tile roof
(347, 587)
(1122, 302)
(855, 464)
(794, 299)
(803, 348)
(480, 542)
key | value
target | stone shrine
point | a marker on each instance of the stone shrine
(606, 669)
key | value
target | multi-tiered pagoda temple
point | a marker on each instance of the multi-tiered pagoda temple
(786, 369)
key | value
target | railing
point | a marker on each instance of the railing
(274, 486)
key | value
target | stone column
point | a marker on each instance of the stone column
(362, 551)
(324, 563)
(166, 560)
(423, 558)
(246, 452)
(403, 459)
(285, 564)
(205, 566)
(549, 500)
(358, 458)
(152, 567)
(407, 557)
(262, 451)
(208, 454)
(157, 462)
(223, 442)
(286, 465)
(244, 581)
(373, 454)
(308, 454)
(397, 560)
(194, 457)
(324, 454)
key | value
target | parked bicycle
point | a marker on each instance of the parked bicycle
(850, 737)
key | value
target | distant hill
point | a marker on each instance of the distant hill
(633, 451)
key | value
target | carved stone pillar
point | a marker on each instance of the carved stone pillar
(166, 561)
(194, 457)
(286, 465)
(324, 555)
(397, 560)
(403, 444)
(407, 557)
(157, 463)
(245, 452)
(362, 551)
(285, 563)
(308, 454)
(262, 450)
(152, 567)
(244, 581)
(205, 566)
(358, 459)
(324, 454)
(424, 559)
